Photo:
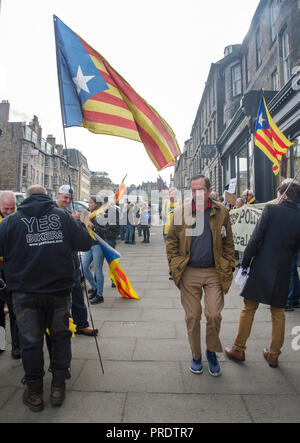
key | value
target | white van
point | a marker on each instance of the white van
(20, 196)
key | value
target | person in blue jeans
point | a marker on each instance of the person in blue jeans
(130, 225)
(104, 221)
(146, 222)
(129, 234)
(94, 255)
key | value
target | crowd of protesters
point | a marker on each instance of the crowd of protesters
(37, 246)
(204, 261)
(135, 220)
(43, 282)
(41, 275)
(248, 198)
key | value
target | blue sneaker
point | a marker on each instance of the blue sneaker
(214, 367)
(196, 366)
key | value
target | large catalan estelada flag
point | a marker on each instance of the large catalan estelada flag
(93, 95)
(116, 273)
(121, 190)
(269, 138)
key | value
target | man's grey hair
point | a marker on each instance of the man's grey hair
(35, 189)
(4, 195)
(248, 192)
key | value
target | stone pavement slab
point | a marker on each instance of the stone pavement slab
(146, 356)
(249, 378)
(138, 329)
(273, 408)
(145, 376)
(185, 408)
(90, 407)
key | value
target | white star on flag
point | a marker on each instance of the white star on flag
(261, 120)
(81, 81)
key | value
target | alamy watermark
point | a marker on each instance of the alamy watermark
(296, 340)
(163, 205)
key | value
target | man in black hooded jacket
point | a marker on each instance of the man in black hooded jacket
(36, 243)
(274, 242)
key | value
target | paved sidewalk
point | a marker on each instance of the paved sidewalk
(145, 352)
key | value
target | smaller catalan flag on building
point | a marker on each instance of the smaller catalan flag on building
(93, 95)
(269, 138)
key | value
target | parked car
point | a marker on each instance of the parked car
(20, 196)
(79, 206)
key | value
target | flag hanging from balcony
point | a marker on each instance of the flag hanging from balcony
(269, 138)
(120, 191)
(93, 95)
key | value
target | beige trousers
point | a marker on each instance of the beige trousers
(246, 321)
(193, 282)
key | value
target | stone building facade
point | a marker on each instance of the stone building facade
(268, 59)
(99, 180)
(77, 160)
(183, 172)
(27, 158)
(148, 187)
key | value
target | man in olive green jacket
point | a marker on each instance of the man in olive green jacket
(200, 253)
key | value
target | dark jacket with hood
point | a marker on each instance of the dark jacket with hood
(106, 224)
(272, 245)
(36, 243)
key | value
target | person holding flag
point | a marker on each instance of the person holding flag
(94, 255)
(104, 221)
(79, 309)
(112, 257)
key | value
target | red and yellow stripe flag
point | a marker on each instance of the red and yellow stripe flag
(95, 96)
(116, 273)
(121, 190)
(269, 138)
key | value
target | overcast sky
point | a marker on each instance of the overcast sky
(163, 48)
